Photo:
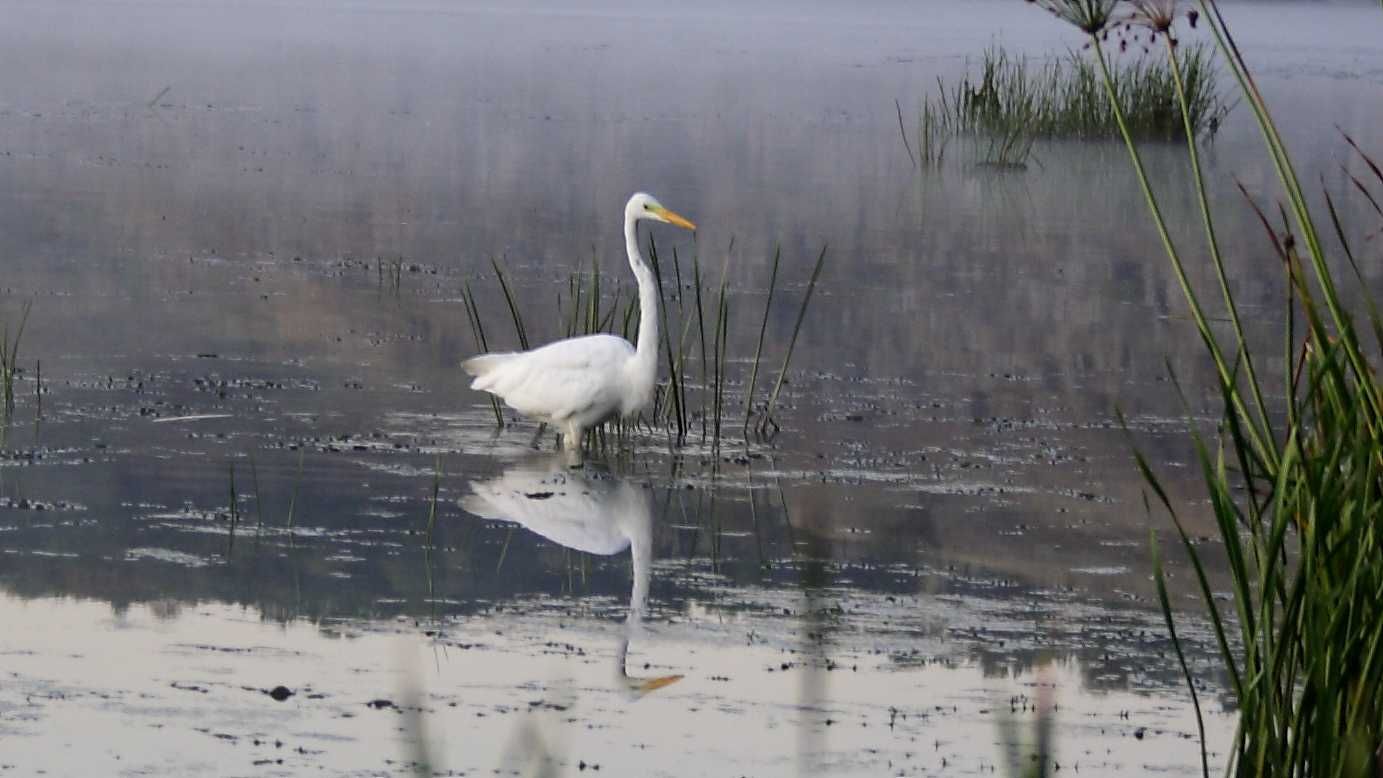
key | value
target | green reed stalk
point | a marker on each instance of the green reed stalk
(677, 276)
(701, 332)
(1216, 259)
(234, 512)
(903, 132)
(432, 505)
(576, 285)
(759, 350)
(792, 343)
(676, 408)
(682, 340)
(1166, 604)
(478, 332)
(719, 345)
(259, 504)
(9, 361)
(722, 326)
(513, 307)
(593, 314)
(607, 323)
(297, 482)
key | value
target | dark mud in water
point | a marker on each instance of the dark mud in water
(946, 536)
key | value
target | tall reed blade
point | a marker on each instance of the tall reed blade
(759, 350)
(513, 307)
(796, 330)
(478, 332)
(676, 408)
(9, 361)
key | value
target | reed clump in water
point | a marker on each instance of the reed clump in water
(1009, 102)
(9, 362)
(1296, 485)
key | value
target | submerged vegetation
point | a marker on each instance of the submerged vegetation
(1295, 485)
(693, 400)
(9, 362)
(1010, 102)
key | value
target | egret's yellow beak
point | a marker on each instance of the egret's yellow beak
(654, 684)
(674, 218)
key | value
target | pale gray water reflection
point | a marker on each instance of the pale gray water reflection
(200, 199)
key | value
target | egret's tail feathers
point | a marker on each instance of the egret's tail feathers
(477, 505)
(482, 366)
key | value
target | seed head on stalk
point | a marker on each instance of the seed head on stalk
(1155, 16)
(1089, 16)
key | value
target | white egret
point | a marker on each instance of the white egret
(589, 511)
(577, 383)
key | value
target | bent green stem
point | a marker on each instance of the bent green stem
(1216, 257)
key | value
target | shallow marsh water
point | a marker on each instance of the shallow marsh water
(947, 530)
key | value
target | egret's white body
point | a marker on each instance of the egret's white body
(588, 511)
(577, 383)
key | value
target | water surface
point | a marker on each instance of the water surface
(198, 198)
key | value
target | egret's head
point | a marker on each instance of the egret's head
(646, 206)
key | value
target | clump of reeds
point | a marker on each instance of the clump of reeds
(1295, 486)
(9, 361)
(1009, 102)
(390, 273)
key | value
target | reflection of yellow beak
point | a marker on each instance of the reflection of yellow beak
(674, 218)
(654, 684)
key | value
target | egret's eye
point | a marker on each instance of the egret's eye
(647, 207)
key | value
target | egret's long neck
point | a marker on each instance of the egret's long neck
(646, 350)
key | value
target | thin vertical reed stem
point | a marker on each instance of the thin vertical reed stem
(759, 350)
(297, 482)
(796, 329)
(1216, 259)
(478, 332)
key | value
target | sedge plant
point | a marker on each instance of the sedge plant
(1295, 487)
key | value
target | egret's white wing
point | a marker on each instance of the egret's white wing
(562, 379)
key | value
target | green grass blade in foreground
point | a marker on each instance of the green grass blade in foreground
(1207, 593)
(1159, 576)
(1212, 242)
(1374, 320)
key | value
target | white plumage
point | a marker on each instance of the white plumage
(578, 383)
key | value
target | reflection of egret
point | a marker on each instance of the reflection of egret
(588, 511)
(578, 383)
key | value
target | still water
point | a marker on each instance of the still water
(946, 535)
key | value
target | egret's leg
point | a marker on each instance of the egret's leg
(571, 441)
